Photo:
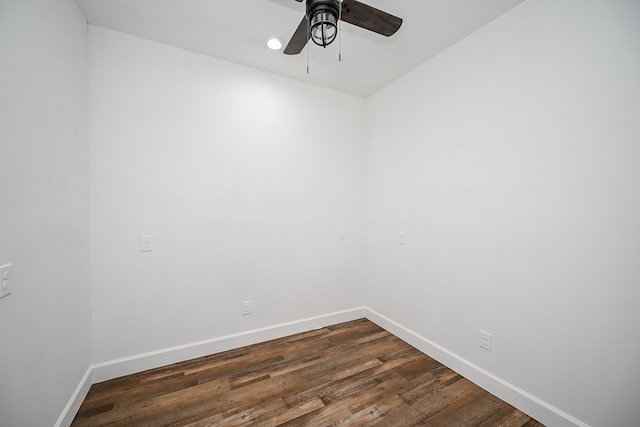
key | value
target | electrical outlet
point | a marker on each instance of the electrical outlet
(146, 243)
(485, 340)
(246, 308)
(403, 238)
(6, 280)
(342, 234)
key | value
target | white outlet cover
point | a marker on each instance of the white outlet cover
(6, 280)
(246, 307)
(403, 238)
(485, 340)
(146, 243)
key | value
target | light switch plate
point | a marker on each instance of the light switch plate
(6, 279)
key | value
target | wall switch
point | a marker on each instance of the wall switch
(485, 340)
(6, 280)
(246, 307)
(146, 243)
(342, 234)
(403, 237)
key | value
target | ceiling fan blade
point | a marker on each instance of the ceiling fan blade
(299, 38)
(370, 18)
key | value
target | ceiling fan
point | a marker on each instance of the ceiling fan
(320, 22)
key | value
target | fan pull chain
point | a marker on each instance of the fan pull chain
(308, 32)
(340, 35)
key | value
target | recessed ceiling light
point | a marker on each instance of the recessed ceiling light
(274, 43)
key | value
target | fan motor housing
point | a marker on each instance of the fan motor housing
(315, 5)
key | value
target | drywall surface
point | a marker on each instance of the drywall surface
(45, 339)
(511, 162)
(243, 179)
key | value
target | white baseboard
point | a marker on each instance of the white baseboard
(531, 405)
(71, 409)
(527, 403)
(141, 362)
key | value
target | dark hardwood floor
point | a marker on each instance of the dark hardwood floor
(351, 374)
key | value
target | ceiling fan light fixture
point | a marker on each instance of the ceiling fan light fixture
(323, 20)
(323, 28)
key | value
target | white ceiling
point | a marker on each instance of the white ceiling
(237, 31)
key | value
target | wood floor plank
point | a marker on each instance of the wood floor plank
(351, 374)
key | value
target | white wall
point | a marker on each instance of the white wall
(45, 339)
(511, 161)
(241, 186)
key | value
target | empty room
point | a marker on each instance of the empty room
(432, 208)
